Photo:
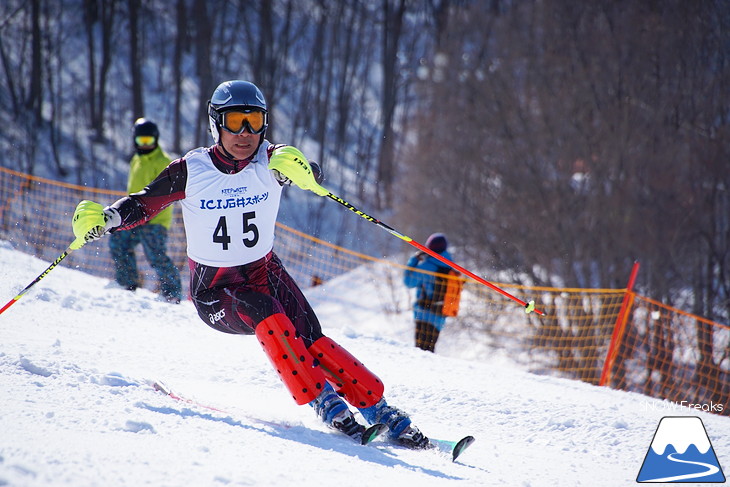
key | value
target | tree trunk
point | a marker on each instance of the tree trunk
(135, 60)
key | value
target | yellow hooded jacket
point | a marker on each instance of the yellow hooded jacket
(144, 168)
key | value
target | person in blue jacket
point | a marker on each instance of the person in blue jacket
(427, 315)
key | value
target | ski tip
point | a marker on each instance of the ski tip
(159, 386)
(460, 446)
(372, 432)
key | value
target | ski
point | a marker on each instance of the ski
(372, 432)
(457, 447)
(452, 448)
(161, 387)
(367, 436)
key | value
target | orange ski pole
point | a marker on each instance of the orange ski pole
(529, 306)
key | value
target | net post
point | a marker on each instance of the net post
(618, 329)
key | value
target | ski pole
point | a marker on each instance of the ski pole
(529, 306)
(35, 281)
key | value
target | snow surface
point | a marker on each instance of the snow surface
(75, 408)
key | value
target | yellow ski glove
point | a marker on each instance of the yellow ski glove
(291, 163)
(89, 223)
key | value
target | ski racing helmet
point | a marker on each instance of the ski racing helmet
(240, 96)
(145, 135)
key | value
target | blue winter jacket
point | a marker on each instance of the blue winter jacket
(424, 284)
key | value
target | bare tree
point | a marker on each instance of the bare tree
(203, 53)
(181, 43)
(558, 139)
(135, 60)
(108, 17)
(35, 95)
(98, 23)
(561, 140)
(393, 12)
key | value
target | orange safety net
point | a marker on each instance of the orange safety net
(675, 356)
(661, 352)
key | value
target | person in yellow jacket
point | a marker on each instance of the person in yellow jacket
(148, 161)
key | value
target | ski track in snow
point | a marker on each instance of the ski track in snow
(76, 409)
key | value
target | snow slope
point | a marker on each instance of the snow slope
(75, 408)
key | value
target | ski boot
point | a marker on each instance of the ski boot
(401, 430)
(337, 415)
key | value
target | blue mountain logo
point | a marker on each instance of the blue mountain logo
(681, 452)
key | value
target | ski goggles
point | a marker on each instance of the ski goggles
(236, 121)
(144, 140)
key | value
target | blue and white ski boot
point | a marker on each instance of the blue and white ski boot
(402, 431)
(337, 415)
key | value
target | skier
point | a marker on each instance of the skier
(148, 161)
(230, 195)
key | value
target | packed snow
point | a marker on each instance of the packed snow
(76, 408)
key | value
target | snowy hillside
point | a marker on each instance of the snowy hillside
(76, 410)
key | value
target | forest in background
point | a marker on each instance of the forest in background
(559, 140)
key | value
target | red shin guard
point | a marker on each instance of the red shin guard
(290, 358)
(349, 376)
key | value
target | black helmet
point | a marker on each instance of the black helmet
(142, 126)
(234, 94)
